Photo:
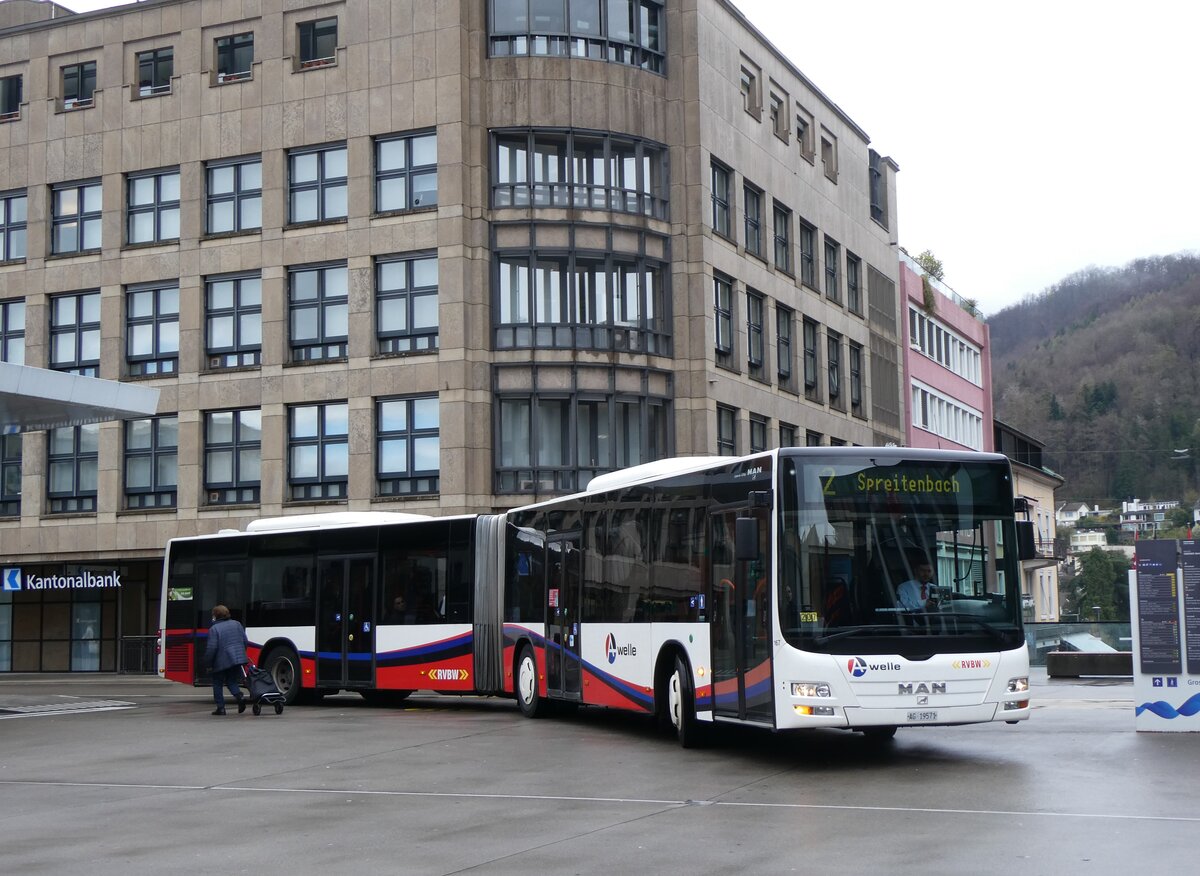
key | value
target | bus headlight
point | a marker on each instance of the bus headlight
(810, 689)
(1018, 685)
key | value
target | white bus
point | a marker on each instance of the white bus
(762, 590)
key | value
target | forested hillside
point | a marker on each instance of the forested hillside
(1104, 368)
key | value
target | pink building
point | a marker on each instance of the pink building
(947, 366)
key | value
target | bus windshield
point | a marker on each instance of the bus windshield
(915, 556)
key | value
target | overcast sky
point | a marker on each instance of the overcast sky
(1033, 138)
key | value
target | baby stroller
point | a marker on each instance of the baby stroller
(262, 688)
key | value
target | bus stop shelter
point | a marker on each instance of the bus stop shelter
(33, 399)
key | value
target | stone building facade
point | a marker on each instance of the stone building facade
(436, 257)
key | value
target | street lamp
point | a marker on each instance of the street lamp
(1096, 611)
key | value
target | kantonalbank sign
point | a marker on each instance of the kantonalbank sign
(85, 579)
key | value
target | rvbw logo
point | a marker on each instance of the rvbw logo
(12, 579)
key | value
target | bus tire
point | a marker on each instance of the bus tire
(388, 698)
(284, 666)
(681, 705)
(879, 734)
(526, 685)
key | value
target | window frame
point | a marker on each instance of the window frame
(227, 55)
(808, 255)
(159, 208)
(723, 315)
(322, 486)
(238, 196)
(161, 492)
(854, 283)
(782, 222)
(12, 312)
(758, 432)
(308, 43)
(407, 173)
(155, 59)
(833, 367)
(720, 177)
(321, 184)
(410, 339)
(10, 226)
(81, 218)
(727, 431)
(241, 353)
(241, 490)
(752, 218)
(161, 359)
(11, 471)
(854, 365)
(324, 346)
(784, 341)
(84, 460)
(812, 359)
(79, 73)
(833, 253)
(12, 93)
(756, 353)
(79, 329)
(411, 481)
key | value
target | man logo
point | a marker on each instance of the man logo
(12, 579)
(857, 667)
(610, 645)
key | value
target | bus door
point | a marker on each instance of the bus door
(564, 598)
(741, 621)
(346, 622)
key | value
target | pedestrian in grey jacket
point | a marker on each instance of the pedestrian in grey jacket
(226, 654)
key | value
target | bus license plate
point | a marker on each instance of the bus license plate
(922, 716)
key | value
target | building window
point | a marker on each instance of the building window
(10, 98)
(318, 317)
(604, 172)
(558, 441)
(834, 348)
(787, 435)
(752, 198)
(754, 333)
(856, 399)
(629, 32)
(832, 257)
(783, 343)
(234, 196)
(152, 330)
(808, 255)
(318, 451)
(581, 300)
(78, 85)
(878, 187)
(73, 455)
(75, 333)
(233, 321)
(151, 462)
(10, 475)
(12, 331)
(750, 86)
(13, 216)
(720, 199)
(812, 439)
(317, 185)
(946, 417)
(779, 115)
(853, 283)
(154, 71)
(408, 446)
(317, 43)
(406, 301)
(405, 172)
(75, 210)
(232, 456)
(235, 57)
(811, 359)
(726, 431)
(804, 135)
(829, 155)
(723, 314)
(944, 346)
(153, 207)
(783, 238)
(758, 433)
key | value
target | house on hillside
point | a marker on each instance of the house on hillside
(1145, 518)
(1069, 514)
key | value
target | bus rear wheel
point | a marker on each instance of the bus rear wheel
(284, 666)
(528, 696)
(681, 705)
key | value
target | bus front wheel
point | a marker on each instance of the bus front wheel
(528, 696)
(879, 734)
(681, 705)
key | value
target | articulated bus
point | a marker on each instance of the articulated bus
(762, 590)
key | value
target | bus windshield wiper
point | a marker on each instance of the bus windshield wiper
(865, 630)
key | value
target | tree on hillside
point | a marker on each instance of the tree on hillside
(1101, 584)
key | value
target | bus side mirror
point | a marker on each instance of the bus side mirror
(1026, 544)
(745, 537)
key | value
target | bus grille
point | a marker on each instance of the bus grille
(178, 658)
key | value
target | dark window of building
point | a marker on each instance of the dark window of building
(720, 199)
(12, 331)
(232, 456)
(856, 399)
(834, 345)
(755, 342)
(723, 314)
(152, 330)
(618, 31)
(812, 439)
(784, 327)
(726, 431)
(758, 433)
(832, 257)
(234, 196)
(317, 310)
(10, 475)
(153, 207)
(811, 361)
(10, 98)
(752, 198)
(151, 462)
(783, 238)
(13, 217)
(878, 185)
(406, 172)
(75, 333)
(233, 321)
(73, 454)
(406, 301)
(78, 85)
(853, 287)
(317, 185)
(154, 71)
(808, 255)
(317, 42)
(235, 57)
(318, 451)
(408, 446)
(787, 435)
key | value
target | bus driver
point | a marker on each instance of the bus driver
(918, 593)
